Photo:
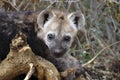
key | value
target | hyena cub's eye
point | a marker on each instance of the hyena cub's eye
(50, 36)
(67, 38)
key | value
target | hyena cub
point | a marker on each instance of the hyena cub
(58, 30)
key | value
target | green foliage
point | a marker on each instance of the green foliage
(86, 55)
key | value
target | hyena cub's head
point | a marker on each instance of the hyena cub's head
(58, 29)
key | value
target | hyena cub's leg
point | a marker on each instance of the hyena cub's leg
(65, 64)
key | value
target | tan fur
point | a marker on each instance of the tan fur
(60, 24)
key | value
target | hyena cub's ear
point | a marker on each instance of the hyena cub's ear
(77, 18)
(43, 17)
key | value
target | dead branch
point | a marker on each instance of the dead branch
(19, 58)
(31, 71)
(99, 53)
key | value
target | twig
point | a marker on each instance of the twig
(99, 53)
(88, 76)
(113, 23)
(31, 71)
(69, 5)
(14, 2)
(27, 5)
(51, 5)
(11, 4)
(20, 5)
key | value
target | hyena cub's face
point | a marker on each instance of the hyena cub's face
(58, 29)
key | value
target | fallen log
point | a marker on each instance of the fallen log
(19, 58)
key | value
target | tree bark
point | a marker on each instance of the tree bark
(19, 58)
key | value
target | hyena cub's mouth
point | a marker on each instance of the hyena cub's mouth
(58, 53)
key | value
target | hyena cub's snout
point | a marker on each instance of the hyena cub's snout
(58, 52)
(58, 49)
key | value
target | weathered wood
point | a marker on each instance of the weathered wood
(17, 61)
(19, 58)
